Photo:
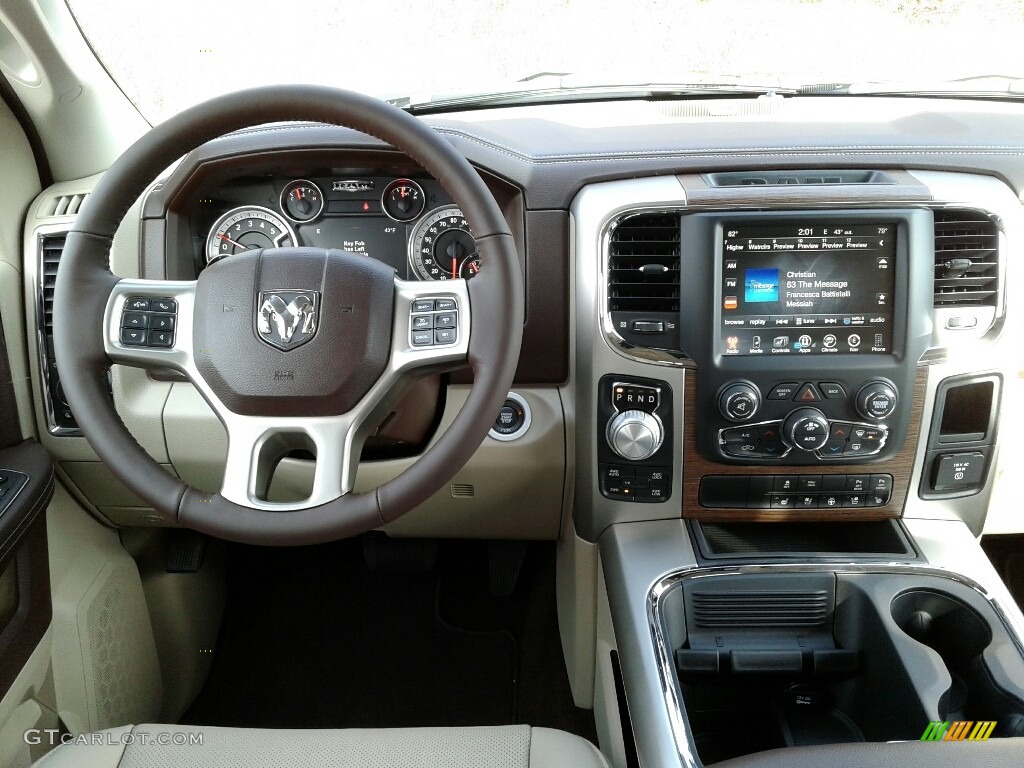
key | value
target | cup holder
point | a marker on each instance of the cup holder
(960, 637)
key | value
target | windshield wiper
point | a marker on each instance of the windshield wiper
(977, 86)
(539, 94)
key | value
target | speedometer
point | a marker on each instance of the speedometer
(442, 247)
(245, 229)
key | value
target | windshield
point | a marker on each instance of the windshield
(167, 56)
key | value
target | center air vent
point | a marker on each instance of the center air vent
(966, 259)
(760, 609)
(643, 264)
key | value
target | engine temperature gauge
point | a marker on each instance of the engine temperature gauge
(302, 200)
(403, 200)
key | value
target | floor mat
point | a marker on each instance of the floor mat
(312, 639)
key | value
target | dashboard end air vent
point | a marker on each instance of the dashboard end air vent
(761, 609)
(65, 205)
(795, 178)
(966, 259)
(61, 420)
(643, 264)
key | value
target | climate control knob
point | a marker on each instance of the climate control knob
(635, 435)
(876, 400)
(740, 401)
(806, 429)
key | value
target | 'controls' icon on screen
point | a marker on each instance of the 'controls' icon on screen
(780, 342)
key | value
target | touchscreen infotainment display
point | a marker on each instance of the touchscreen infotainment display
(807, 288)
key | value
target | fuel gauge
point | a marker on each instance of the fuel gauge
(403, 200)
(302, 200)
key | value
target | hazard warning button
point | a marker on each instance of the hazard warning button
(807, 394)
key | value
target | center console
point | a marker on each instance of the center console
(786, 424)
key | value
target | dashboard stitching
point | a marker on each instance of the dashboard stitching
(716, 152)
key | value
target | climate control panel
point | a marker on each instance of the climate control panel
(804, 422)
(634, 445)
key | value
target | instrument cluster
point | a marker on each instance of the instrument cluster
(410, 224)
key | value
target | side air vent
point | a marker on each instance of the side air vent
(760, 609)
(966, 259)
(65, 205)
(61, 420)
(643, 264)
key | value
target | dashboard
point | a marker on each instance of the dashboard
(734, 325)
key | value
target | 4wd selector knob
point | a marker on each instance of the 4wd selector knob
(635, 435)
(806, 429)
(876, 400)
(739, 401)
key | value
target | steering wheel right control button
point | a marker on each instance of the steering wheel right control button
(434, 322)
(739, 401)
(147, 322)
(513, 420)
(806, 429)
(876, 400)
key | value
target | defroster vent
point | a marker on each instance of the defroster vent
(966, 259)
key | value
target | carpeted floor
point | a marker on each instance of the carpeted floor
(313, 638)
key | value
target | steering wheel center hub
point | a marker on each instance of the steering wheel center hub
(293, 331)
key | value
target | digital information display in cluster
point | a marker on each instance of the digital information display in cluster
(814, 289)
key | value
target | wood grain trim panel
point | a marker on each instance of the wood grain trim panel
(696, 466)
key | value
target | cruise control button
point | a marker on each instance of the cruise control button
(445, 335)
(445, 305)
(422, 338)
(423, 305)
(831, 390)
(133, 337)
(445, 320)
(784, 391)
(163, 305)
(134, 320)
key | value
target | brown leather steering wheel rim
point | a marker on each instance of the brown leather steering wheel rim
(84, 284)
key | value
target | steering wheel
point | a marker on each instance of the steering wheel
(297, 348)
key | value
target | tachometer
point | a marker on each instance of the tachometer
(245, 229)
(441, 244)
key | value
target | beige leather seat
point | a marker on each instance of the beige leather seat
(185, 746)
